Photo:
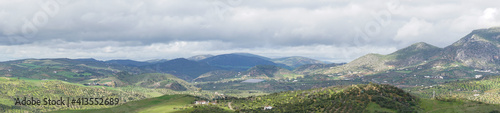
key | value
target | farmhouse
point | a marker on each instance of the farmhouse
(268, 107)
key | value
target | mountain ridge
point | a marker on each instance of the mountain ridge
(478, 50)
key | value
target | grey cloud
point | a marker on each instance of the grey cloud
(229, 25)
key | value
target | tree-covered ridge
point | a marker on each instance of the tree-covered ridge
(331, 99)
(296, 61)
(154, 80)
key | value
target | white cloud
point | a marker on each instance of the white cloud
(490, 14)
(414, 28)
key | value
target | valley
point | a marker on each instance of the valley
(462, 77)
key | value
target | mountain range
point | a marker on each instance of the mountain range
(475, 54)
(469, 66)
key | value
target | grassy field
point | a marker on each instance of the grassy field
(163, 104)
(375, 108)
(435, 106)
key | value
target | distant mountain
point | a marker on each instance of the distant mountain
(87, 60)
(296, 61)
(199, 57)
(414, 54)
(156, 61)
(269, 71)
(127, 62)
(237, 62)
(252, 55)
(479, 49)
(182, 68)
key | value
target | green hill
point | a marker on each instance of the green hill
(332, 99)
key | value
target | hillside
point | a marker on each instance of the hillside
(24, 87)
(217, 75)
(332, 99)
(296, 61)
(355, 98)
(182, 68)
(153, 80)
(476, 53)
(256, 72)
(308, 68)
(414, 54)
(368, 64)
(485, 90)
(166, 103)
(479, 49)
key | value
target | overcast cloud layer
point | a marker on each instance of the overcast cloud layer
(329, 30)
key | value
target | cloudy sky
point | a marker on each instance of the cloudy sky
(329, 30)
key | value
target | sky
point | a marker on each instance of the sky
(328, 30)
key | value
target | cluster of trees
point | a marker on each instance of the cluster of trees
(331, 99)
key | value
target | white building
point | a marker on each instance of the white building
(268, 107)
(200, 102)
